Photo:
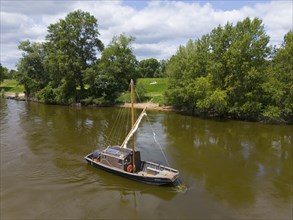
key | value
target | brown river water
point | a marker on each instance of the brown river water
(229, 169)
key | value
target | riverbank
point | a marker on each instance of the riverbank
(156, 106)
(148, 105)
(14, 95)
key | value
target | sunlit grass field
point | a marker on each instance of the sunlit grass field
(153, 90)
(11, 86)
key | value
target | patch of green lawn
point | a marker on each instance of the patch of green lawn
(153, 86)
(11, 85)
(153, 90)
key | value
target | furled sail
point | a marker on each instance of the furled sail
(134, 128)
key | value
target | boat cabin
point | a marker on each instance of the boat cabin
(120, 158)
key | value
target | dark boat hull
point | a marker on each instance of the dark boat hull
(133, 176)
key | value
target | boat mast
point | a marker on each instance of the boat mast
(132, 121)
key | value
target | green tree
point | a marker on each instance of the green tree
(176, 93)
(223, 72)
(101, 86)
(3, 72)
(278, 87)
(162, 69)
(30, 67)
(118, 62)
(246, 59)
(184, 69)
(149, 68)
(72, 46)
(12, 74)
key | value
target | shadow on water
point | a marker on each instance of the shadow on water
(111, 181)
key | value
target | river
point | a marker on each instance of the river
(229, 169)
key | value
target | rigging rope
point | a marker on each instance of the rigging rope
(158, 143)
(117, 127)
(180, 185)
(118, 130)
(154, 134)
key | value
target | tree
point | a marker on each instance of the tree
(278, 88)
(3, 72)
(72, 46)
(31, 72)
(184, 69)
(149, 68)
(246, 59)
(162, 69)
(12, 74)
(223, 72)
(101, 86)
(119, 62)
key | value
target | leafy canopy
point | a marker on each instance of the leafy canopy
(232, 71)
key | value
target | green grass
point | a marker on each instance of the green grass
(153, 89)
(153, 92)
(11, 85)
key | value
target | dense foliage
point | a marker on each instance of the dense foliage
(151, 68)
(3, 71)
(65, 69)
(233, 72)
(111, 74)
(71, 48)
(230, 72)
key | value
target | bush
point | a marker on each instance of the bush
(272, 113)
(87, 101)
(47, 95)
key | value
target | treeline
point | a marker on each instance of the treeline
(234, 72)
(5, 73)
(230, 72)
(65, 68)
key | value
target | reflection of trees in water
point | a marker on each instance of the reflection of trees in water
(233, 159)
(73, 131)
(66, 134)
(150, 138)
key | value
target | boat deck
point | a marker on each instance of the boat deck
(148, 172)
(155, 170)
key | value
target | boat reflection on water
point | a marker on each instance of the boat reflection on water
(128, 189)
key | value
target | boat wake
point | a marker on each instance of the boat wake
(181, 188)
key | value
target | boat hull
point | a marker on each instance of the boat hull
(133, 176)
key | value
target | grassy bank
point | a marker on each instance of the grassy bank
(149, 89)
(11, 86)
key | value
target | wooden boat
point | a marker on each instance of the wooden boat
(126, 162)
